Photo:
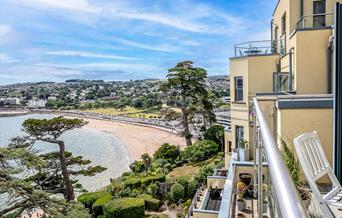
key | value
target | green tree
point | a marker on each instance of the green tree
(147, 161)
(188, 83)
(215, 133)
(22, 193)
(167, 152)
(50, 130)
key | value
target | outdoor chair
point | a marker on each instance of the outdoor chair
(315, 165)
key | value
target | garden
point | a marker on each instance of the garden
(157, 185)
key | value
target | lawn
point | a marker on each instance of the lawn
(113, 111)
(185, 170)
(128, 111)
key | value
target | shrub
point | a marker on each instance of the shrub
(184, 181)
(161, 165)
(200, 151)
(88, 199)
(201, 175)
(186, 207)
(215, 133)
(151, 203)
(177, 192)
(125, 208)
(160, 177)
(152, 189)
(115, 188)
(133, 182)
(137, 166)
(98, 204)
(167, 152)
(192, 188)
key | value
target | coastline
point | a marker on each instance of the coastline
(138, 138)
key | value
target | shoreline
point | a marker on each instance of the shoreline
(138, 138)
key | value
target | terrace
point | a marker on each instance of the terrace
(255, 48)
(316, 21)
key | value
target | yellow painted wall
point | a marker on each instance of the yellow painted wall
(257, 72)
(260, 73)
(310, 56)
(204, 215)
(293, 122)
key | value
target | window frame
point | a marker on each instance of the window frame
(239, 135)
(238, 97)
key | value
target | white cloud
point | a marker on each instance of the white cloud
(6, 59)
(162, 47)
(119, 66)
(195, 21)
(77, 5)
(4, 30)
(88, 54)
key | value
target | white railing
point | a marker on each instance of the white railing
(288, 201)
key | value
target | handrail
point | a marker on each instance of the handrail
(287, 196)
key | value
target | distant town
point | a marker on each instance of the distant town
(138, 101)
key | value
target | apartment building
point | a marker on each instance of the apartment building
(280, 88)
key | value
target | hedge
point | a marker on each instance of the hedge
(88, 199)
(151, 203)
(160, 177)
(125, 208)
(98, 204)
(133, 182)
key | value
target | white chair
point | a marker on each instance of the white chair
(315, 165)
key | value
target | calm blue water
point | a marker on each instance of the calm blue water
(99, 147)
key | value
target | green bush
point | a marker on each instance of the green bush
(133, 182)
(215, 133)
(125, 208)
(167, 152)
(88, 199)
(160, 177)
(151, 203)
(177, 192)
(137, 166)
(152, 189)
(98, 204)
(201, 150)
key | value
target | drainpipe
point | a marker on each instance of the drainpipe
(290, 68)
(272, 40)
(329, 67)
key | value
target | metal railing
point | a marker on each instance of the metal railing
(285, 193)
(255, 48)
(316, 20)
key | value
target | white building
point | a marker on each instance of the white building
(9, 101)
(37, 103)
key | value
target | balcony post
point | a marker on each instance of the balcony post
(260, 194)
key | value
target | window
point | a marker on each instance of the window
(238, 88)
(283, 24)
(238, 136)
(319, 9)
(275, 45)
(281, 82)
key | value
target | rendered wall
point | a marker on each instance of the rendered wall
(293, 122)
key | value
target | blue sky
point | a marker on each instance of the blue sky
(55, 40)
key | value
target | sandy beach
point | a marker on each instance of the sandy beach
(137, 139)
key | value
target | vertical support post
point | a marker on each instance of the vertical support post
(255, 145)
(338, 92)
(260, 194)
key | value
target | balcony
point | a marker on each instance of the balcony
(254, 48)
(316, 21)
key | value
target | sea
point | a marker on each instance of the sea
(100, 147)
